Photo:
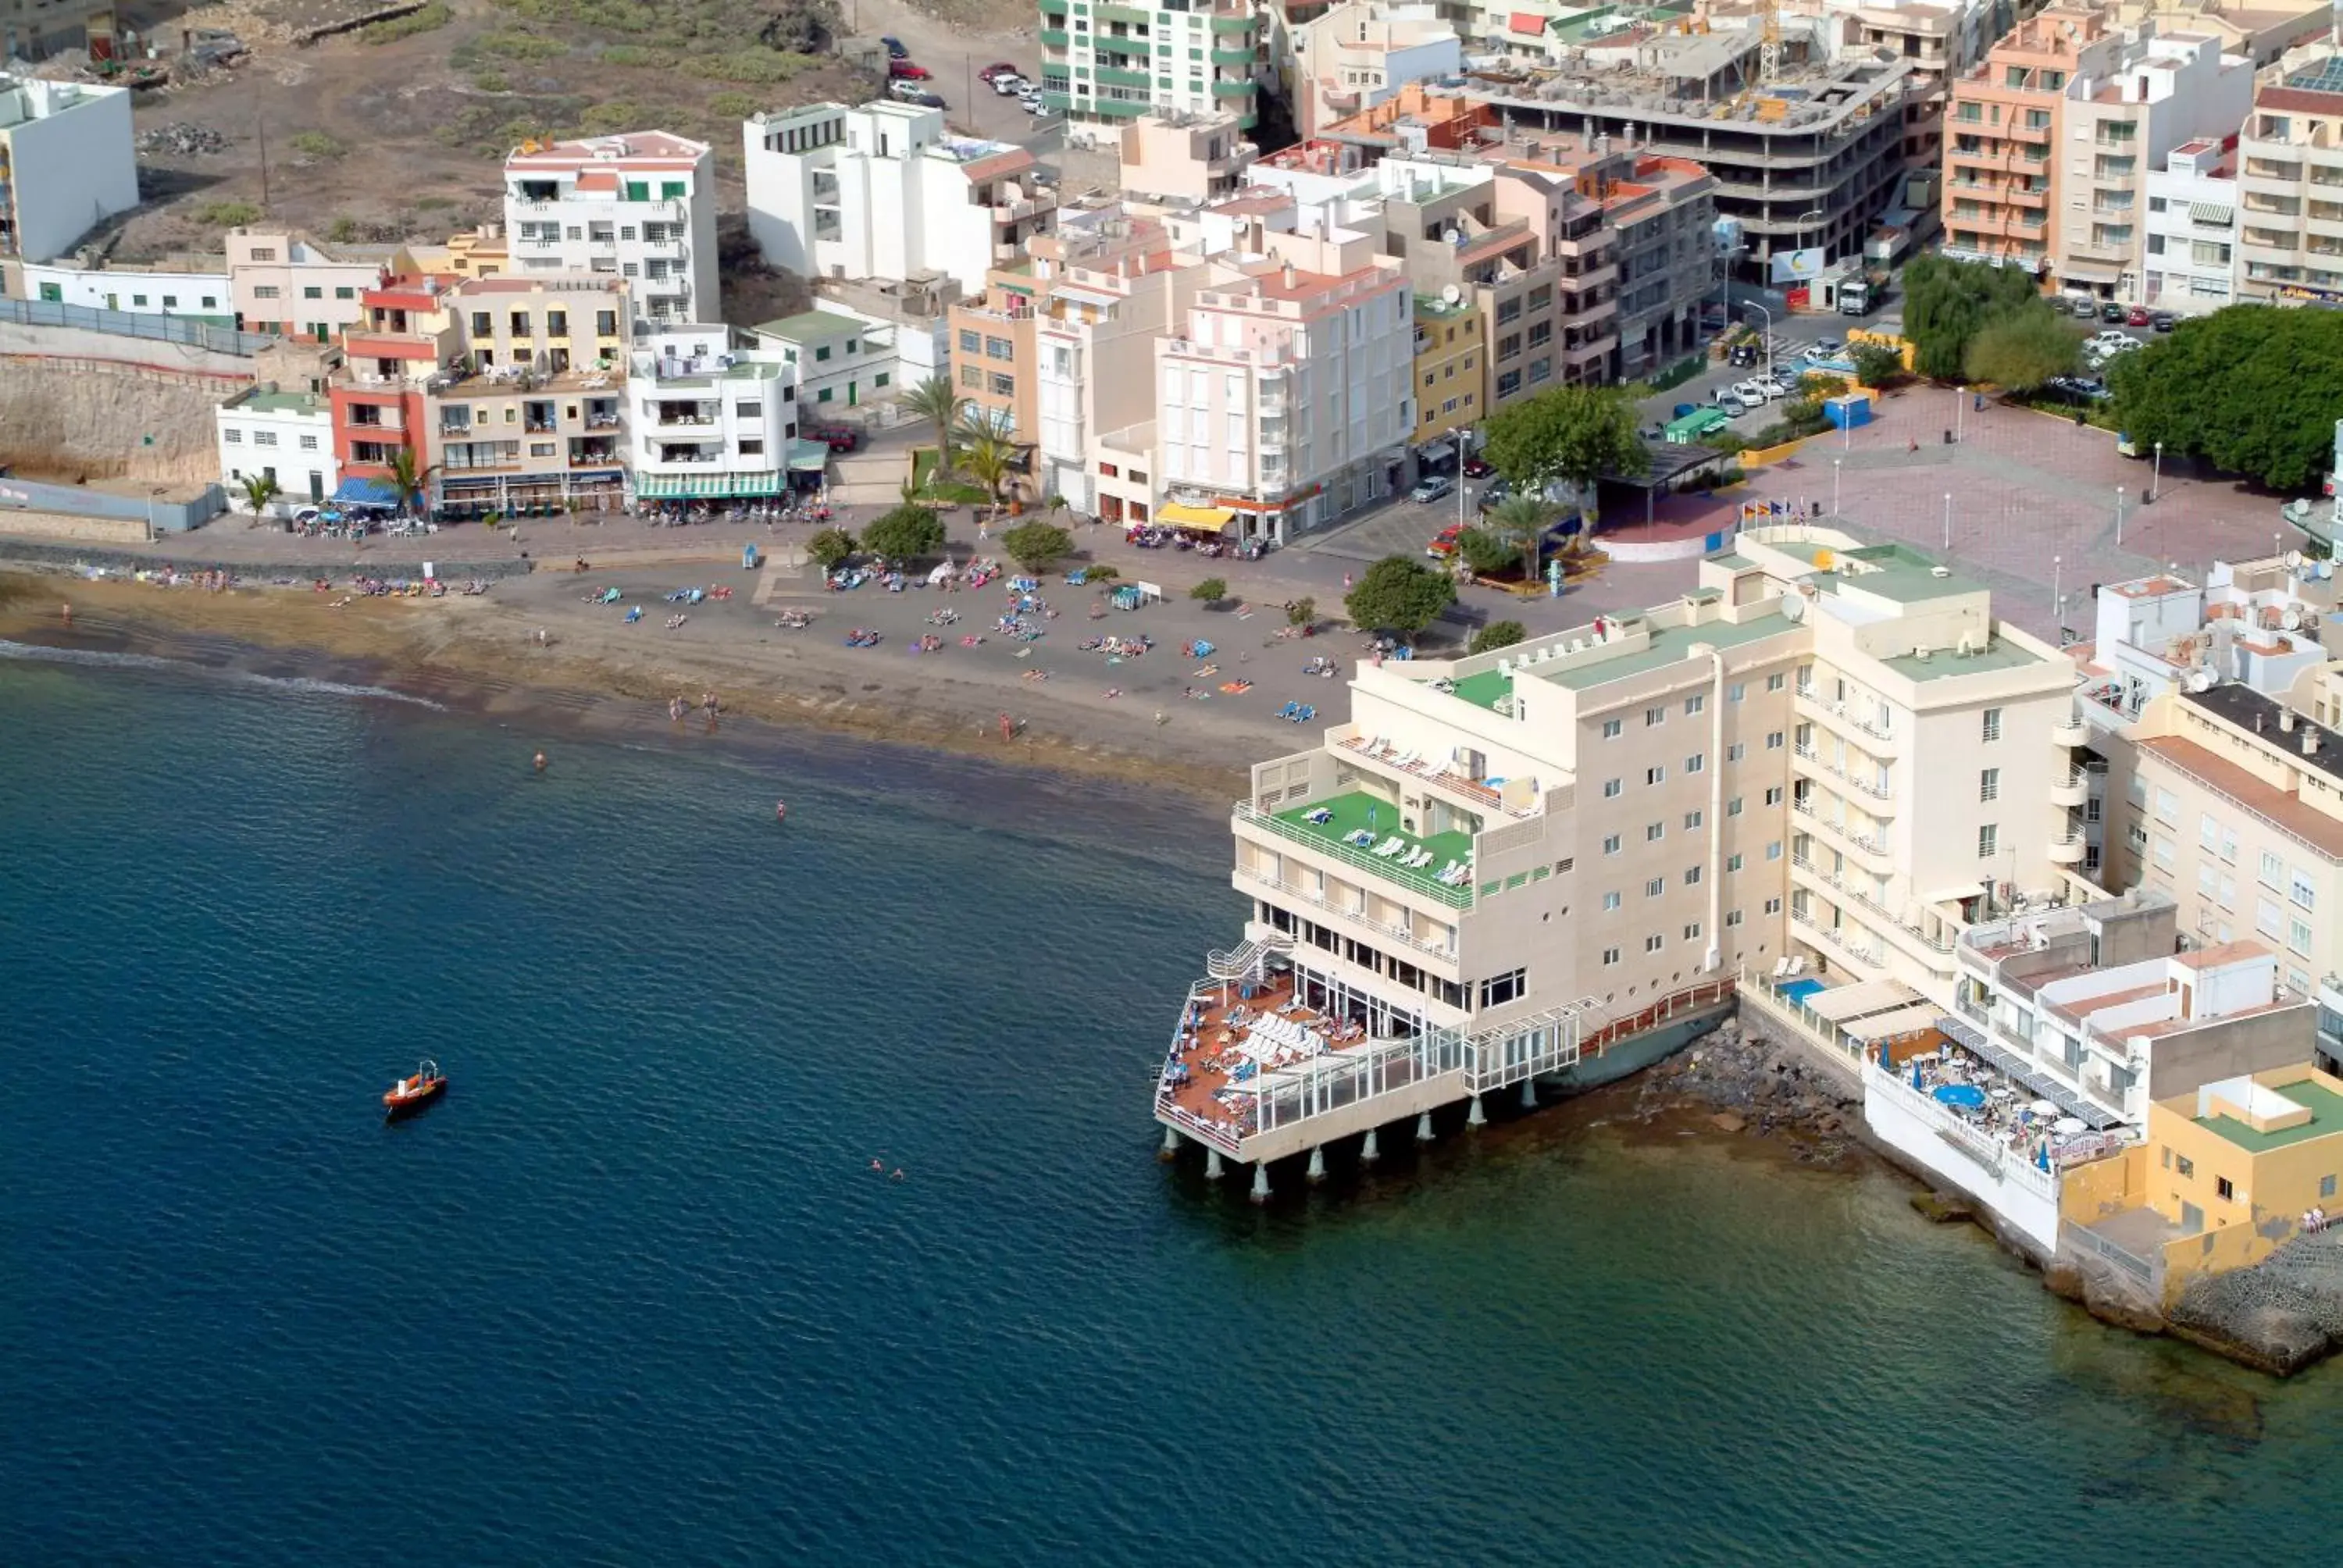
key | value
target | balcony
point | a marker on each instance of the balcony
(1869, 850)
(2067, 849)
(1053, 39)
(2070, 790)
(1843, 720)
(1880, 801)
(1442, 948)
(1346, 816)
(1233, 59)
(1224, 88)
(1232, 22)
(1130, 15)
(2070, 732)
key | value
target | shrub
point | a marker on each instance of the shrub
(734, 106)
(228, 214)
(632, 55)
(763, 67)
(1211, 590)
(601, 119)
(518, 46)
(491, 81)
(1497, 634)
(317, 145)
(1302, 612)
(1035, 545)
(430, 19)
(830, 546)
(1488, 553)
(908, 533)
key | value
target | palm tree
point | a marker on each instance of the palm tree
(405, 475)
(936, 398)
(1522, 519)
(988, 460)
(259, 490)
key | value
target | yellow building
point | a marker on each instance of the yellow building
(1451, 370)
(530, 420)
(2257, 1152)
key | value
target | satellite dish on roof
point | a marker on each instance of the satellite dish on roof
(1452, 294)
(2200, 680)
(2293, 558)
(1794, 608)
(2291, 621)
(1453, 236)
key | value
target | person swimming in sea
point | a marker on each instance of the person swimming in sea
(877, 1164)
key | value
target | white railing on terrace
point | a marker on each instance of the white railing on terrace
(1319, 901)
(1443, 776)
(2000, 1161)
(1459, 897)
(1327, 1083)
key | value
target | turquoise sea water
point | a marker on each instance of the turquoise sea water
(632, 1295)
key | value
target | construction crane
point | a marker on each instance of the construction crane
(1769, 45)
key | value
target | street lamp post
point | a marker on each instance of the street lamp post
(2119, 491)
(1960, 412)
(1835, 467)
(1948, 522)
(2058, 599)
(2155, 480)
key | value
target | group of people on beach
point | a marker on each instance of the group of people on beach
(677, 706)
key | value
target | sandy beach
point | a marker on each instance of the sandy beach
(1075, 710)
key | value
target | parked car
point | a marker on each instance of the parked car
(1476, 469)
(1824, 348)
(2112, 312)
(1752, 392)
(905, 71)
(1007, 87)
(1734, 408)
(895, 50)
(1493, 494)
(2137, 315)
(912, 93)
(1432, 489)
(1773, 385)
(2085, 308)
(2163, 321)
(2107, 342)
(995, 71)
(836, 438)
(1444, 543)
(1744, 354)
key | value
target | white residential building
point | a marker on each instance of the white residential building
(199, 291)
(66, 163)
(841, 362)
(1352, 57)
(641, 207)
(2191, 260)
(887, 191)
(286, 436)
(711, 422)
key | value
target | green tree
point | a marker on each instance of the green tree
(2022, 348)
(1948, 303)
(1400, 594)
(1876, 364)
(1573, 433)
(1211, 590)
(259, 490)
(1487, 551)
(2253, 390)
(1037, 546)
(1521, 521)
(1302, 612)
(831, 546)
(936, 398)
(1497, 634)
(905, 534)
(406, 476)
(990, 460)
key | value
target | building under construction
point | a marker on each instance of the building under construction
(1804, 155)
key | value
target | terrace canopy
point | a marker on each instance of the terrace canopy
(1844, 1003)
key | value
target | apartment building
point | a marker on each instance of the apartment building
(711, 422)
(1352, 57)
(1664, 212)
(2236, 811)
(196, 286)
(66, 163)
(993, 362)
(2189, 263)
(1102, 65)
(1170, 157)
(639, 207)
(908, 319)
(887, 190)
(2290, 189)
(1285, 402)
(2054, 137)
(287, 284)
(286, 438)
(1451, 375)
(530, 417)
(840, 361)
(409, 334)
(1942, 41)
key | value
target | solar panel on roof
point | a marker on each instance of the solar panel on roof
(2327, 76)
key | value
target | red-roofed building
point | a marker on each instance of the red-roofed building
(639, 208)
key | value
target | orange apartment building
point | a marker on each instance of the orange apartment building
(2002, 124)
(407, 332)
(992, 354)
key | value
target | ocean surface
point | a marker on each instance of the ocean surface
(632, 1294)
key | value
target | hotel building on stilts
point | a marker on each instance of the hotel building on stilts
(1555, 864)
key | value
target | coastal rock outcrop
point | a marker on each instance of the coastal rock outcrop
(1744, 1082)
(2279, 1316)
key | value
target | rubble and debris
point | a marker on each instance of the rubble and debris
(181, 140)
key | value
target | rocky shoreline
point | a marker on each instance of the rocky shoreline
(1744, 1082)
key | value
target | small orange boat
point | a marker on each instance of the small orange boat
(409, 1093)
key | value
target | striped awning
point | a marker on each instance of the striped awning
(2218, 214)
(705, 486)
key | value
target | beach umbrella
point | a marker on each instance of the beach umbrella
(2041, 1155)
(1915, 1077)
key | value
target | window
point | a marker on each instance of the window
(1654, 832)
(2221, 1185)
(2326, 1186)
(1654, 886)
(1992, 728)
(1697, 761)
(1736, 751)
(520, 323)
(308, 443)
(1773, 740)
(345, 291)
(605, 323)
(821, 354)
(1735, 692)
(313, 291)
(1610, 957)
(1499, 989)
(1612, 787)
(1989, 784)
(1988, 840)
(971, 342)
(1611, 729)
(1610, 902)
(2298, 936)
(2266, 917)
(1732, 806)
(1774, 795)
(1611, 844)
(2304, 892)
(1774, 682)
(2208, 832)
(752, 445)
(1004, 386)
(1655, 716)
(1773, 851)
(1655, 942)
(1692, 876)
(1692, 821)
(232, 436)
(1732, 918)
(264, 252)
(1733, 862)
(1691, 932)
(1658, 774)
(1696, 702)
(264, 438)
(2273, 870)
(2184, 1165)
(1772, 906)
(265, 291)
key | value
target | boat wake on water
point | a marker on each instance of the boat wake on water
(100, 659)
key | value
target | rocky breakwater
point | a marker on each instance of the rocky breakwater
(1740, 1081)
(2278, 1316)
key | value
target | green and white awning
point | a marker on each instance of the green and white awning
(808, 456)
(705, 486)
